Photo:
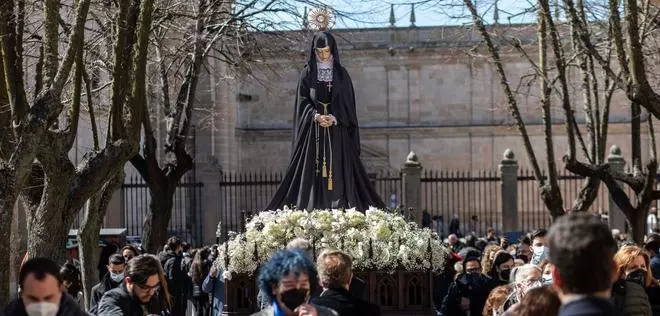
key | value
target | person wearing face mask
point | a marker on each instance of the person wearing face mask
(42, 292)
(467, 295)
(633, 277)
(546, 277)
(287, 279)
(539, 247)
(111, 280)
(500, 271)
(143, 291)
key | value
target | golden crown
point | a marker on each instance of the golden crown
(321, 19)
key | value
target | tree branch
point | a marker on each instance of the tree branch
(12, 64)
(94, 170)
(90, 109)
(119, 73)
(545, 98)
(138, 92)
(165, 86)
(51, 39)
(504, 82)
(75, 42)
(617, 35)
(561, 71)
(73, 116)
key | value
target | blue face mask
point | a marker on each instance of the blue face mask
(540, 254)
(547, 279)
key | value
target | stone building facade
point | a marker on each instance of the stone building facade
(425, 90)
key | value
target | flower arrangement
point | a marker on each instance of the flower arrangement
(376, 239)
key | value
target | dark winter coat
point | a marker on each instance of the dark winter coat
(98, 290)
(118, 302)
(630, 299)
(176, 282)
(476, 292)
(344, 303)
(68, 307)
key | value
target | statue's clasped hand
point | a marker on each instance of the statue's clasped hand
(326, 120)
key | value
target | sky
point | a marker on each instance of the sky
(376, 13)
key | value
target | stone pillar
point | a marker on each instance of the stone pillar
(412, 185)
(509, 190)
(209, 174)
(616, 219)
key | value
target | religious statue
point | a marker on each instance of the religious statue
(325, 169)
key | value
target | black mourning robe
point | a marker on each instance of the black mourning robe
(303, 185)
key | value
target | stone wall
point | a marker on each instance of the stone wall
(437, 101)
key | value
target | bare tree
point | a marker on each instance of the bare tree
(35, 162)
(593, 56)
(187, 36)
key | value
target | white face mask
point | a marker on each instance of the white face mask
(42, 309)
(117, 277)
(540, 254)
(547, 279)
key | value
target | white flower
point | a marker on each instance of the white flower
(226, 275)
(377, 240)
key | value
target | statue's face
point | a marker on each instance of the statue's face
(324, 54)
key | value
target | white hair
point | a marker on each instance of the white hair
(524, 273)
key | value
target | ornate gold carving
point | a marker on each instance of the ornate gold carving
(321, 19)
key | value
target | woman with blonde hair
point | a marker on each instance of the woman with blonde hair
(632, 278)
(488, 257)
(496, 299)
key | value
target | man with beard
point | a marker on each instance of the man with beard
(110, 280)
(139, 294)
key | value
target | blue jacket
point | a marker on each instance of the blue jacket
(655, 267)
(215, 287)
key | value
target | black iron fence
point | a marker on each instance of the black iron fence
(186, 222)
(243, 194)
(464, 195)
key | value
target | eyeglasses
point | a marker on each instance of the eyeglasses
(147, 288)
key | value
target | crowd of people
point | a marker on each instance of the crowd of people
(578, 267)
(178, 281)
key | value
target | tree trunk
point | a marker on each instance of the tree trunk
(48, 224)
(88, 236)
(154, 234)
(637, 222)
(7, 200)
(635, 133)
(18, 242)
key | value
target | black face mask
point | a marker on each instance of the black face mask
(505, 274)
(294, 298)
(638, 276)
